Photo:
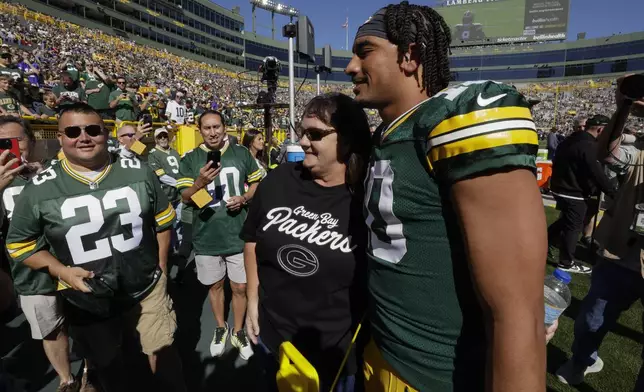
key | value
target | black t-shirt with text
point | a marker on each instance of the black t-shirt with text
(311, 265)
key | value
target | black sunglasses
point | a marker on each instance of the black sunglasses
(91, 130)
(127, 135)
(314, 134)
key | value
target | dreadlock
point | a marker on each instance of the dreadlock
(432, 39)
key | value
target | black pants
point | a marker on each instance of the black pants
(564, 232)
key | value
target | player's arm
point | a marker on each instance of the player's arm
(26, 244)
(504, 229)
(164, 216)
(486, 156)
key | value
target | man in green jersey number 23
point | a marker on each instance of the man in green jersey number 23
(457, 244)
(99, 224)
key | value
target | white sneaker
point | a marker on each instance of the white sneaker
(572, 374)
(575, 268)
(240, 340)
(218, 343)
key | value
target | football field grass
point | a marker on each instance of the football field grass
(621, 349)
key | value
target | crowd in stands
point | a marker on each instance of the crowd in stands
(43, 47)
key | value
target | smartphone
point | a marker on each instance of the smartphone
(215, 157)
(147, 119)
(14, 150)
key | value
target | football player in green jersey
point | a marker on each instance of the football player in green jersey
(217, 188)
(99, 224)
(457, 243)
(37, 289)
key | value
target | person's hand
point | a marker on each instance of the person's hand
(143, 128)
(7, 174)
(75, 276)
(252, 320)
(637, 109)
(235, 203)
(207, 174)
(550, 331)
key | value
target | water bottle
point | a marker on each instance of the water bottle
(556, 294)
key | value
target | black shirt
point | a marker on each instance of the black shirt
(576, 171)
(311, 265)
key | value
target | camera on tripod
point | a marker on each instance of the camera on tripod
(270, 69)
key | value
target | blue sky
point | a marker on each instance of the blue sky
(596, 17)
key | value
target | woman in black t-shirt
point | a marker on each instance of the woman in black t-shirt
(305, 244)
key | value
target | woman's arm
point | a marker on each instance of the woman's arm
(252, 291)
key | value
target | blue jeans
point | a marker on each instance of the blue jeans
(613, 289)
(269, 366)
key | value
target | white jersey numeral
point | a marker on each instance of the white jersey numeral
(172, 161)
(394, 247)
(101, 248)
(48, 174)
(229, 178)
(9, 199)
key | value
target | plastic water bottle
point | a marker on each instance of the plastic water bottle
(556, 295)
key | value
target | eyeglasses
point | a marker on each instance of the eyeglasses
(314, 134)
(120, 82)
(91, 130)
(127, 135)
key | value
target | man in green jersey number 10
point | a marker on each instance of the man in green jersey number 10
(100, 224)
(217, 191)
(457, 244)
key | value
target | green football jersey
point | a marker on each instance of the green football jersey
(25, 280)
(107, 225)
(215, 229)
(166, 163)
(424, 313)
(101, 99)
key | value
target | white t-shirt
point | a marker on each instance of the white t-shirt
(176, 112)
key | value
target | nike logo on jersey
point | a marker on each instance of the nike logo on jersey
(483, 102)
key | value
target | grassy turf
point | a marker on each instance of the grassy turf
(621, 349)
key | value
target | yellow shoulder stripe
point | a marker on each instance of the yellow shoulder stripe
(18, 249)
(159, 172)
(482, 142)
(163, 215)
(480, 116)
(167, 219)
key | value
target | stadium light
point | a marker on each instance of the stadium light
(275, 7)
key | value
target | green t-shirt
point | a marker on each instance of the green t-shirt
(125, 108)
(107, 225)
(101, 99)
(215, 229)
(75, 95)
(9, 103)
(166, 163)
(425, 315)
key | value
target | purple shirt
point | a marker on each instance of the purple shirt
(33, 79)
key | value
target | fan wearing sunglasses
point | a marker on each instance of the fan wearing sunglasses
(107, 220)
(305, 246)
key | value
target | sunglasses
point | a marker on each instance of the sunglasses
(91, 130)
(162, 136)
(314, 134)
(127, 135)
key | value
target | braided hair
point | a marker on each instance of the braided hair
(433, 38)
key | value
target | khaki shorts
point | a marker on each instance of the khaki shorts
(212, 269)
(153, 318)
(157, 322)
(43, 312)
